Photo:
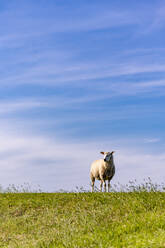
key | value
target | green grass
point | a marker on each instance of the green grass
(118, 219)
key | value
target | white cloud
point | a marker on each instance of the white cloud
(16, 110)
(151, 140)
(32, 21)
(55, 74)
(151, 84)
(20, 105)
(88, 18)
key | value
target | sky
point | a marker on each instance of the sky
(78, 77)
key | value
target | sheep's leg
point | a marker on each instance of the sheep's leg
(108, 185)
(93, 183)
(101, 185)
(104, 186)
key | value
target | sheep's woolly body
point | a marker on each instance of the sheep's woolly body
(102, 170)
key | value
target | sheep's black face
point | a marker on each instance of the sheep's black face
(107, 157)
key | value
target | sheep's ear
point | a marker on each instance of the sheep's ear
(102, 153)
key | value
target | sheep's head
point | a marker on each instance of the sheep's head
(107, 156)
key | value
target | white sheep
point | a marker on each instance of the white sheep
(103, 169)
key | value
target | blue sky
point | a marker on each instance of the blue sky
(78, 77)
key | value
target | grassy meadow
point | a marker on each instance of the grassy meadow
(117, 219)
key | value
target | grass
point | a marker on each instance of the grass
(131, 219)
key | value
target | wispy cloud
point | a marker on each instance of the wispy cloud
(30, 21)
(56, 74)
(158, 19)
(151, 140)
(126, 111)
(19, 105)
(79, 20)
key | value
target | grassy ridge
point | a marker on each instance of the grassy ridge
(134, 219)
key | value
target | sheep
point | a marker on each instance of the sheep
(103, 169)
